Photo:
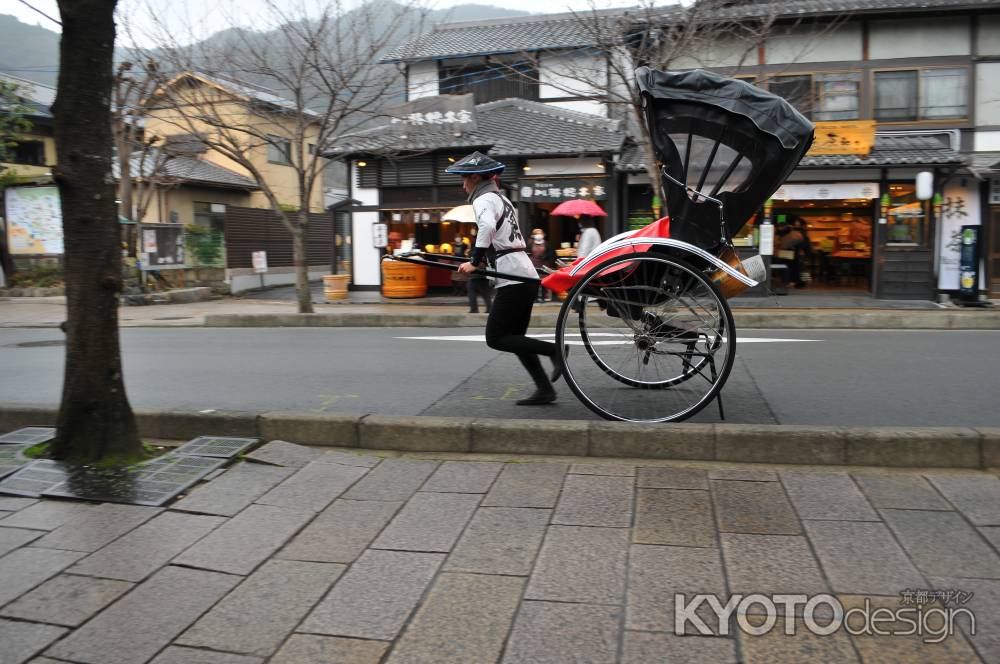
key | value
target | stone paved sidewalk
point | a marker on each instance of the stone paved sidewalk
(322, 556)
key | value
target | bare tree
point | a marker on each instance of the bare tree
(705, 33)
(282, 96)
(95, 419)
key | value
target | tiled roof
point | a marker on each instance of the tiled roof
(506, 35)
(563, 31)
(985, 164)
(887, 151)
(191, 170)
(509, 127)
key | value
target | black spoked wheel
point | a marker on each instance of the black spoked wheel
(658, 339)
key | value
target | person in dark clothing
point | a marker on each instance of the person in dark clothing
(790, 243)
(500, 245)
(541, 256)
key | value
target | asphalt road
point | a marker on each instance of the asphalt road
(827, 377)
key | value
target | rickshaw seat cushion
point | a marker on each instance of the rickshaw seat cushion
(562, 280)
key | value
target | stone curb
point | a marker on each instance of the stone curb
(899, 447)
(797, 319)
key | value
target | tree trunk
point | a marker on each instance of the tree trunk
(301, 261)
(95, 419)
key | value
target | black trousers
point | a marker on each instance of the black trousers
(507, 323)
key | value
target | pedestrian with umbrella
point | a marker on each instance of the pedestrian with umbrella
(501, 247)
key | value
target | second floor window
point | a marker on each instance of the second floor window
(28, 153)
(279, 150)
(921, 94)
(821, 97)
(490, 82)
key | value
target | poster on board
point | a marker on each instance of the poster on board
(34, 221)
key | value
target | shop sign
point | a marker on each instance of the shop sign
(455, 111)
(34, 221)
(958, 207)
(855, 137)
(995, 192)
(824, 192)
(551, 191)
(259, 260)
(380, 236)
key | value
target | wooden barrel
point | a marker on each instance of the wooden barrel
(403, 279)
(335, 286)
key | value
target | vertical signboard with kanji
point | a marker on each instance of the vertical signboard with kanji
(959, 207)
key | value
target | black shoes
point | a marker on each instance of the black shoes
(539, 398)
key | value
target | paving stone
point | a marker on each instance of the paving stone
(943, 544)
(905, 492)
(595, 500)
(245, 541)
(612, 469)
(746, 474)
(672, 478)
(8, 504)
(312, 649)
(313, 487)
(656, 573)
(776, 647)
(393, 479)
(101, 525)
(500, 540)
(754, 507)
(262, 611)
(861, 557)
(976, 496)
(527, 485)
(12, 538)
(578, 564)
(149, 547)
(140, 624)
(652, 648)
(464, 620)
(429, 522)
(238, 487)
(283, 453)
(985, 605)
(66, 600)
(771, 564)
(463, 477)
(23, 569)
(341, 532)
(556, 633)
(47, 515)
(21, 640)
(178, 655)
(674, 516)
(375, 596)
(349, 459)
(955, 649)
(831, 496)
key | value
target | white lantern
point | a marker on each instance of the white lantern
(925, 185)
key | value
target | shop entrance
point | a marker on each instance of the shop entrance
(826, 245)
(562, 233)
(993, 261)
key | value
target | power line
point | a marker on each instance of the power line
(39, 11)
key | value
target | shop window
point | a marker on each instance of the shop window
(906, 216)
(279, 150)
(921, 94)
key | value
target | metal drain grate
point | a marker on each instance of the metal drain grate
(150, 483)
(34, 477)
(216, 446)
(28, 436)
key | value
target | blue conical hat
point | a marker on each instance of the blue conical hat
(476, 162)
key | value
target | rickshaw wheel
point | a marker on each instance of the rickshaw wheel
(650, 322)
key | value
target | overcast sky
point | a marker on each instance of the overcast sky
(214, 16)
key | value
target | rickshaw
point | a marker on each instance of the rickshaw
(646, 332)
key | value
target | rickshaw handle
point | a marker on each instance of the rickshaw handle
(454, 268)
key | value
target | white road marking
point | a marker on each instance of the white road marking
(481, 338)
